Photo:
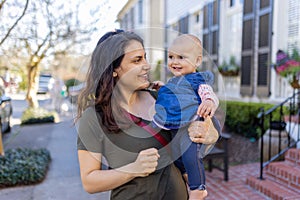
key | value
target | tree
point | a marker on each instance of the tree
(51, 28)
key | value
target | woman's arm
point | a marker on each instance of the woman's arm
(96, 180)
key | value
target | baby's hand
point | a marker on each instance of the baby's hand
(207, 108)
(155, 85)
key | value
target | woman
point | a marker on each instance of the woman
(111, 110)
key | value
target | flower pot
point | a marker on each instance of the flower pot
(295, 83)
(229, 73)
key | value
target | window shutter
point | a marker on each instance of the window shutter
(247, 62)
(210, 38)
(264, 48)
(246, 75)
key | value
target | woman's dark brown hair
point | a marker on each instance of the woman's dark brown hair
(100, 83)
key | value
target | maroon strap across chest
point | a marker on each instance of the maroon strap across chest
(149, 129)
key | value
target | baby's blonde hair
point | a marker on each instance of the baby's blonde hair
(196, 41)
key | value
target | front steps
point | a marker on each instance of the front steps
(281, 179)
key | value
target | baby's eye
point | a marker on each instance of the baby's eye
(180, 57)
(171, 57)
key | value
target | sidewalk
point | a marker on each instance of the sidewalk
(63, 179)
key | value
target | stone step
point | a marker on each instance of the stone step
(292, 156)
(272, 189)
(285, 174)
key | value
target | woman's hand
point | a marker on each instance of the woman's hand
(204, 132)
(145, 163)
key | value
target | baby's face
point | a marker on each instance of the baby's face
(183, 57)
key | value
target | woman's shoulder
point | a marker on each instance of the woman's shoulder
(89, 118)
(88, 114)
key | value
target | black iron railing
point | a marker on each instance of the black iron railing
(283, 121)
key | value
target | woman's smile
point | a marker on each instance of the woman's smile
(144, 77)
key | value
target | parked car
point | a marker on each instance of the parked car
(46, 82)
(5, 111)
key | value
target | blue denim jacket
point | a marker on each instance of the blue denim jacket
(178, 100)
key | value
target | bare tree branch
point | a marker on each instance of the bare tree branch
(16, 22)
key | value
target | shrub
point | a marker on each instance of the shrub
(38, 115)
(71, 82)
(241, 117)
(23, 166)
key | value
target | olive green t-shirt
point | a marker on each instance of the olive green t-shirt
(122, 148)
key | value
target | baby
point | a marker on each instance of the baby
(185, 98)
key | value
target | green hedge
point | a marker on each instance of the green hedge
(38, 115)
(241, 117)
(23, 166)
(71, 82)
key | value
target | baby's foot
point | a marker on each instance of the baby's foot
(197, 194)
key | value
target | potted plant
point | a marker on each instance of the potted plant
(289, 67)
(229, 69)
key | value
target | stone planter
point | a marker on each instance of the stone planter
(273, 135)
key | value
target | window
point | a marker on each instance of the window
(197, 18)
(232, 2)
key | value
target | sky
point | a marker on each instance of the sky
(109, 10)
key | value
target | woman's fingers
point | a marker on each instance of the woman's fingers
(147, 162)
(200, 131)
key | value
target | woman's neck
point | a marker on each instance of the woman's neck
(138, 103)
(126, 97)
